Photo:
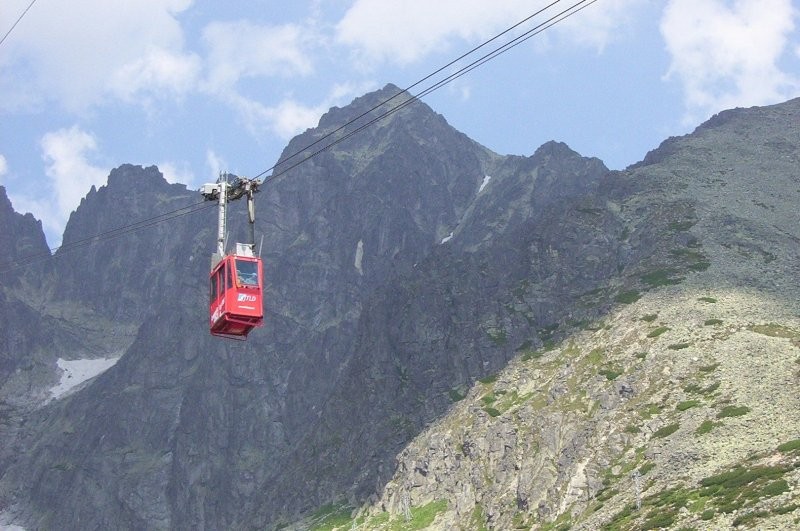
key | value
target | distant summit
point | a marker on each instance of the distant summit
(21, 237)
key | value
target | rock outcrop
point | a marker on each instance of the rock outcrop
(674, 407)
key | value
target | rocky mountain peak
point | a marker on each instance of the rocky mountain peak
(453, 338)
(390, 94)
(99, 228)
(750, 114)
(128, 177)
(554, 148)
(5, 202)
(21, 237)
(755, 123)
(122, 200)
(668, 408)
(392, 114)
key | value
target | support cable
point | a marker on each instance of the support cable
(104, 236)
(14, 25)
(408, 88)
(439, 84)
(190, 209)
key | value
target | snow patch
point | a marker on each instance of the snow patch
(75, 372)
(5, 518)
(359, 257)
(447, 238)
(486, 180)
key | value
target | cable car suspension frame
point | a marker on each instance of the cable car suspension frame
(236, 283)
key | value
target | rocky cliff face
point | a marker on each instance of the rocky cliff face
(32, 339)
(431, 329)
(671, 408)
(118, 276)
(449, 331)
(336, 229)
(22, 237)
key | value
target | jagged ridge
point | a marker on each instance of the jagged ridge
(375, 327)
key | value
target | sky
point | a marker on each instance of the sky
(199, 87)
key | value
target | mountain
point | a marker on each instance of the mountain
(22, 236)
(676, 407)
(453, 337)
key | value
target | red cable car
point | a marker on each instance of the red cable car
(237, 284)
(236, 295)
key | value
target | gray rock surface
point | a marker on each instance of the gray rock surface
(449, 331)
(689, 378)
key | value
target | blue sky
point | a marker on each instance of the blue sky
(196, 87)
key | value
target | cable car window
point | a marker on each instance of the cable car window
(247, 272)
(228, 276)
(213, 288)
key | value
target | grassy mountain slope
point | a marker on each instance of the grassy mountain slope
(678, 407)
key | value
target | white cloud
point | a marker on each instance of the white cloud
(285, 119)
(460, 90)
(215, 163)
(290, 117)
(159, 72)
(66, 154)
(598, 24)
(70, 55)
(177, 173)
(726, 54)
(3, 168)
(242, 49)
(36, 206)
(404, 32)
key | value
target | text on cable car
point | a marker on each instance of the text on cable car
(218, 312)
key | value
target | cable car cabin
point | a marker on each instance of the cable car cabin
(236, 295)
